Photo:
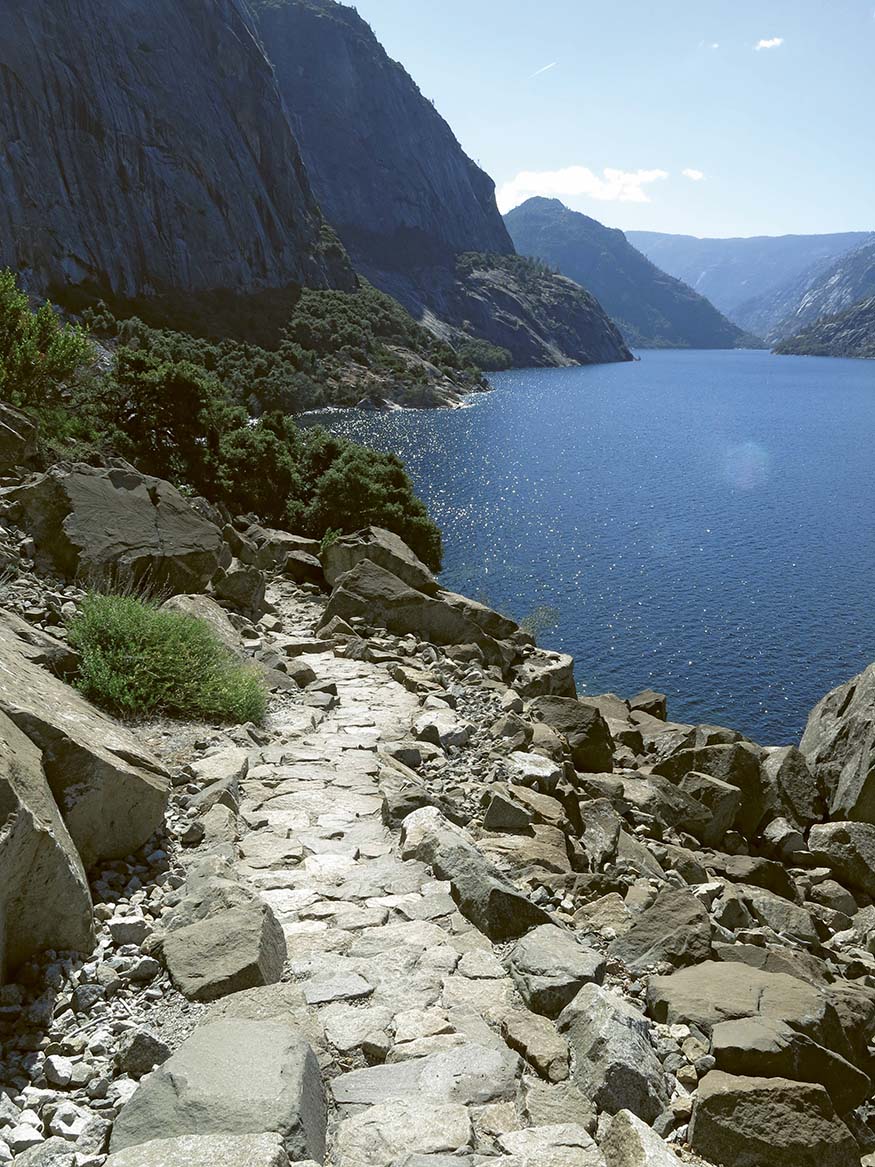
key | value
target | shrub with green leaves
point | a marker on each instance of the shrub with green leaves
(37, 353)
(136, 660)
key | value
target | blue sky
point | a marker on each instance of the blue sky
(606, 103)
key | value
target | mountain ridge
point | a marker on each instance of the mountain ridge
(731, 271)
(848, 334)
(653, 309)
(826, 289)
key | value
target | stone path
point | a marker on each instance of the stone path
(404, 998)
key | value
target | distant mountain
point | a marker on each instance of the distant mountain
(732, 271)
(824, 290)
(849, 334)
(403, 196)
(654, 310)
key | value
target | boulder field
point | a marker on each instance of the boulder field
(438, 911)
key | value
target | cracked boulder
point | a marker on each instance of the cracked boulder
(111, 523)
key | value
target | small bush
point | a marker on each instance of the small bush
(137, 660)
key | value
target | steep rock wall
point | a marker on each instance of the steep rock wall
(144, 147)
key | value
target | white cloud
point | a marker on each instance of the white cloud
(621, 186)
(774, 43)
(693, 175)
(544, 69)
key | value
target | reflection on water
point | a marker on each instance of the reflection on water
(702, 522)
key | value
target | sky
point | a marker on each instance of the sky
(702, 117)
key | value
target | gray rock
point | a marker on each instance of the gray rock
(779, 914)
(561, 1145)
(631, 1143)
(18, 436)
(763, 1048)
(232, 1077)
(242, 588)
(381, 547)
(469, 1074)
(139, 1051)
(737, 763)
(483, 894)
(386, 1131)
(601, 832)
(848, 849)
(584, 729)
(614, 1063)
(370, 591)
(721, 799)
(110, 791)
(746, 1122)
(45, 901)
(117, 525)
(675, 928)
(545, 674)
(650, 702)
(795, 790)
(218, 1150)
(839, 744)
(549, 966)
(535, 1039)
(712, 992)
(235, 949)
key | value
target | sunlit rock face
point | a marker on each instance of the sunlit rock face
(144, 147)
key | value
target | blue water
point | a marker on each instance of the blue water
(702, 522)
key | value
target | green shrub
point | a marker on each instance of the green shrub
(37, 353)
(137, 660)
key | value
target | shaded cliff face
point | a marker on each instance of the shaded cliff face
(731, 271)
(404, 197)
(849, 334)
(385, 166)
(824, 290)
(652, 308)
(144, 147)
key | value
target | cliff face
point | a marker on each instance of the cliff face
(731, 271)
(827, 289)
(385, 166)
(653, 309)
(144, 147)
(401, 193)
(849, 334)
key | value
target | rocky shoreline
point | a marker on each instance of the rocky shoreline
(436, 912)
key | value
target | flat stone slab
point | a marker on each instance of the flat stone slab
(221, 1150)
(245, 1077)
(341, 988)
(470, 1074)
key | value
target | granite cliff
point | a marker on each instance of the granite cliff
(826, 289)
(403, 196)
(731, 271)
(144, 147)
(848, 334)
(654, 310)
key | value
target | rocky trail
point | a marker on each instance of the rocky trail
(436, 912)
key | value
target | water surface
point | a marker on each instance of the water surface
(701, 522)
